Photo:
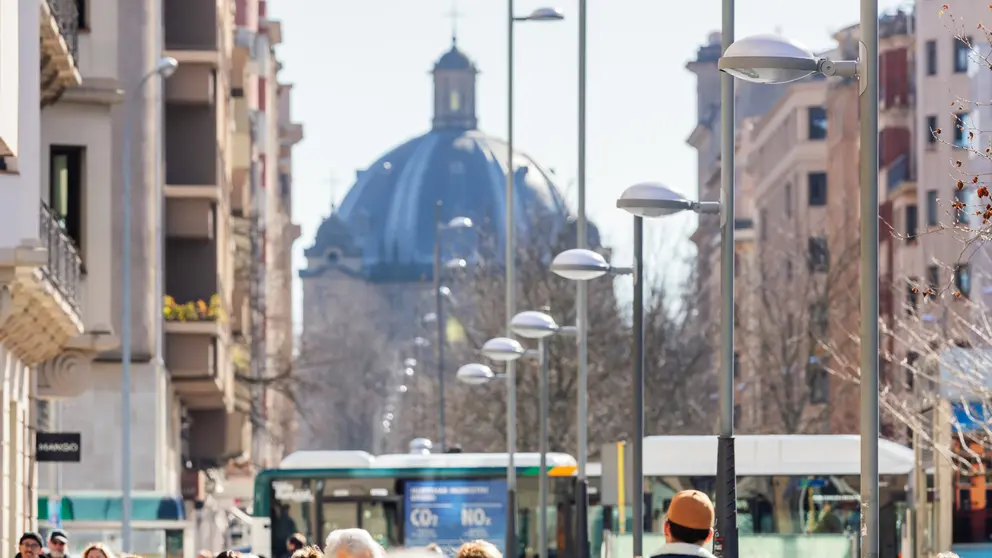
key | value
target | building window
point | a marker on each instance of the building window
(912, 220)
(931, 58)
(817, 188)
(83, 21)
(65, 189)
(962, 55)
(788, 201)
(737, 364)
(912, 295)
(962, 279)
(932, 220)
(819, 254)
(962, 127)
(933, 277)
(819, 319)
(932, 127)
(818, 383)
(961, 206)
(817, 123)
(911, 359)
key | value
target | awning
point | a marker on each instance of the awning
(95, 507)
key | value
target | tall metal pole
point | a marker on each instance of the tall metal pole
(869, 279)
(726, 496)
(511, 302)
(543, 443)
(439, 319)
(637, 453)
(581, 316)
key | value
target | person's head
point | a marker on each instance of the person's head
(309, 551)
(229, 554)
(30, 545)
(57, 540)
(295, 542)
(690, 518)
(204, 554)
(479, 549)
(97, 550)
(352, 543)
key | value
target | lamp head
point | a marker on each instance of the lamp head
(768, 59)
(579, 264)
(533, 325)
(652, 199)
(475, 374)
(166, 66)
(503, 349)
(460, 223)
(546, 14)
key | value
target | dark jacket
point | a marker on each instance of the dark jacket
(682, 550)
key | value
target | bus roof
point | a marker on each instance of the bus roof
(363, 460)
(768, 455)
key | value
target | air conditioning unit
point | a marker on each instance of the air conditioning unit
(245, 38)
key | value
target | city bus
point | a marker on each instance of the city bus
(788, 486)
(401, 499)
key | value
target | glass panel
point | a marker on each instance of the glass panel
(339, 515)
(380, 521)
(59, 190)
(147, 543)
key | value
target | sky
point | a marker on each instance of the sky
(362, 86)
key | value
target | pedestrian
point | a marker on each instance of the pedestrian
(295, 542)
(97, 550)
(352, 543)
(479, 549)
(30, 545)
(688, 526)
(57, 541)
(309, 551)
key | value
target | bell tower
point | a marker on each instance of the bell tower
(454, 91)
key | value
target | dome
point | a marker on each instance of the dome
(454, 59)
(390, 210)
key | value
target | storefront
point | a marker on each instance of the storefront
(158, 523)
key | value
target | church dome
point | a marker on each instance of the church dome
(387, 219)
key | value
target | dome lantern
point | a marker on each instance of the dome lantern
(454, 91)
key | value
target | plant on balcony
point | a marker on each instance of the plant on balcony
(199, 311)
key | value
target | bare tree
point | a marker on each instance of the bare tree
(795, 304)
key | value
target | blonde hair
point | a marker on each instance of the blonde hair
(310, 551)
(97, 546)
(479, 549)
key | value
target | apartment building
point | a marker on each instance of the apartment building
(195, 170)
(40, 268)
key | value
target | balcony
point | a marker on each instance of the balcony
(190, 218)
(59, 49)
(899, 177)
(290, 134)
(241, 157)
(195, 168)
(192, 84)
(39, 293)
(195, 353)
(216, 436)
(192, 32)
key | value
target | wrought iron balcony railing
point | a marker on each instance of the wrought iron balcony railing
(64, 267)
(66, 14)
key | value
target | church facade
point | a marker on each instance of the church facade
(367, 284)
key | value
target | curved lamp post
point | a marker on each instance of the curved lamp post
(651, 199)
(772, 59)
(512, 549)
(456, 223)
(164, 68)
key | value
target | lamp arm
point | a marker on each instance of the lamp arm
(621, 270)
(707, 207)
(839, 68)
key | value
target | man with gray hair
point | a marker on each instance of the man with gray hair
(352, 543)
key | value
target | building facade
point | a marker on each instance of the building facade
(192, 337)
(40, 270)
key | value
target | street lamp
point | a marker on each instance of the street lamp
(512, 550)
(579, 264)
(540, 326)
(165, 67)
(455, 223)
(650, 200)
(770, 59)
(476, 374)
